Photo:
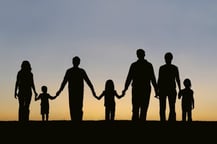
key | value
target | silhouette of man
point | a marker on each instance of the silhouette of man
(141, 74)
(75, 78)
(167, 80)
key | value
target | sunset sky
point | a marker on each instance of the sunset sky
(105, 35)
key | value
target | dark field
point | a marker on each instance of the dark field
(109, 132)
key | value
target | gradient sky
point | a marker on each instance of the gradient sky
(105, 35)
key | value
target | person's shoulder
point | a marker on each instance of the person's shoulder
(148, 62)
(40, 95)
(19, 72)
(82, 70)
(69, 69)
(163, 66)
(133, 63)
(175, 66)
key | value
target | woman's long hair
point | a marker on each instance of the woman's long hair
(26, 66)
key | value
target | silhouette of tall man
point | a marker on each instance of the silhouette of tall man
(75, 78)
(167, 80)
(141, 74)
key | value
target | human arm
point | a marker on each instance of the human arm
(158, 83)
(128, 80)
(119, 96)
(178, 79)
(192, 100)
(52, 97)
(16, 86)
(38, 97)
(180, 94)
(101, 95)
(154, 82)
(65, 80)
(89, 83)
(33, 87)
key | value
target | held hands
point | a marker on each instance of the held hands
(15, 95)
(157, 96)
(58, 93)
(97, 97)
(36, 94)
(94, 94)
(179, 94)
(123, 94)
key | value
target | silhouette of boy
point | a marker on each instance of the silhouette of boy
(187, 96)
(44, 97)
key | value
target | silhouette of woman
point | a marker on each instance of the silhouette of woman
(23, 90)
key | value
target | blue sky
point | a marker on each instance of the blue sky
(106, 34)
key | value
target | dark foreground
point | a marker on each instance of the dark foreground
(108, 132)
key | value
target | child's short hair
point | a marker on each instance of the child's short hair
(187, 82)
(44, 88)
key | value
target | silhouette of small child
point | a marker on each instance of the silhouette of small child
(109, 99)
(44, 97)
(187, 95)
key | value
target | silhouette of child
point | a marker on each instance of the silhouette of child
(109, 99)
(187, 95)
(44, 97)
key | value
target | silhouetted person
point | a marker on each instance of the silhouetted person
(167, 80)
(187, 97)
(44, 97)
(109, 99)
(23, 90)
(141, 74)
(75, 77)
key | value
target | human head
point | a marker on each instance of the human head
(187, 83)
(76, 61)
(140, 53)
(109, 85)
(168, 57)
(26, 65)
(44, 89)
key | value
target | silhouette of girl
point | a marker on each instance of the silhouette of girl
(23, 90)
(109, 99)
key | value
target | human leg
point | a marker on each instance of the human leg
(107, 112)
(21, 109)
(112, 116)
(162, 100)
(172, 102)
(135, 105)
(189, 116)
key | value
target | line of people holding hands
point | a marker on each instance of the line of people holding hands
(140, 76)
